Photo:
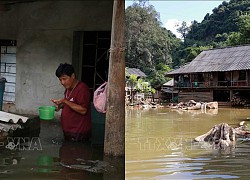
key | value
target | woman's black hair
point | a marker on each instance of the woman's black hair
(64, 69)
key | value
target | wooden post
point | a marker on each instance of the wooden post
(231, 81)
(247, 78)
(114, 142)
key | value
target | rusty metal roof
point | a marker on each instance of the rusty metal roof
(216, 60)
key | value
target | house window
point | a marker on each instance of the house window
(242, 75)
(91, 56)
(8, 68)
(221, 76)
(200, 78)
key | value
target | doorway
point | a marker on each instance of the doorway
(91, 57)
(221, 95)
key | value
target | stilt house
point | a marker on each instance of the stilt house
(221, 75)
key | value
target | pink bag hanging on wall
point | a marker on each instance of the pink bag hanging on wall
(100, 98)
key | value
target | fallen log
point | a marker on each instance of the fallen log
(222, 135)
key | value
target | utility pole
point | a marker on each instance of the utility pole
(114, 142)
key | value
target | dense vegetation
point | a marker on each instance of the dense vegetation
(215, 27)
(155, 50)
(148, 44)
(228, 25)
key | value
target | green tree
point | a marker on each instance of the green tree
(228, 25)
(224, 19)
(243, 35)
(147, 42)
(234, 39)
(244, 25)
(189, 53)
(159, 78)
(183, 29)
(132, 82)
(145, 87)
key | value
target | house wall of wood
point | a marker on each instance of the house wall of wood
(215, 86)
(248, 77)
(44, 34)
(198, 96)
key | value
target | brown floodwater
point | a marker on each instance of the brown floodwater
(159, 145)
(49, 157)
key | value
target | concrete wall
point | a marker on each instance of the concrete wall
(44, 34)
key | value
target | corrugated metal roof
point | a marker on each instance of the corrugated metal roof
(215, 60)
(169, 83)
(135, 71)
(7, 127)
(12, 118)
(9, 121)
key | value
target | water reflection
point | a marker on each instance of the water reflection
(57, 159)
(72, 156)
(159, 145)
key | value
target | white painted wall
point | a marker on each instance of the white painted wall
(44, 34)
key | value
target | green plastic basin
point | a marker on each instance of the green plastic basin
(47, 112)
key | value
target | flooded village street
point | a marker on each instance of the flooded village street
(159, 145)
(50, 157)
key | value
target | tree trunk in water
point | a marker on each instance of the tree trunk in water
(223, 135)
(114, 143)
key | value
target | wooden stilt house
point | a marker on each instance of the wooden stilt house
(221, 75)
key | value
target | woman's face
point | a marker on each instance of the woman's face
(67, 81)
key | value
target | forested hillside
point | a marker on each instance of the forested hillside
(148, 44)
(218, 25)
(228, 25)
(155, 50)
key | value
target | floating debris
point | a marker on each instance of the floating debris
(89, 165)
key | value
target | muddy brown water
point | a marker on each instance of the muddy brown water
(49, 157)
(159, 145)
